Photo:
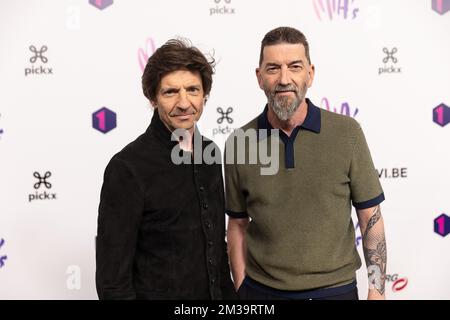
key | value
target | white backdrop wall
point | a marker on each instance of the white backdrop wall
(386, 61)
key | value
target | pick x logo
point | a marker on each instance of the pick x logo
(104, 120)
(42, 183)
(38, 61)
(101, 4)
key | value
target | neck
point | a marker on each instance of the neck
(287, 126)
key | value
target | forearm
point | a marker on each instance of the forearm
(374, 247)
(237, 251)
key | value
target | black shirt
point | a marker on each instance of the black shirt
(161, 226)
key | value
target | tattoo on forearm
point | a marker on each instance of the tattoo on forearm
(374, 246)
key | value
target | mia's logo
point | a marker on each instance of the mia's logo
(389, 57)
(101, 4)
(331, 9)
(38, 57)
(221, 7)
(344, 110)
(440, 6)
(2, 257)
(42, 183)
(145, 53)
(224, 118)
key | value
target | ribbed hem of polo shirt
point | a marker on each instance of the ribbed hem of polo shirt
(369, 203)
(237, 215)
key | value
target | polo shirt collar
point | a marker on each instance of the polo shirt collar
(312, 121)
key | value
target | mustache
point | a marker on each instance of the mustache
(286, 88)
(182, 112)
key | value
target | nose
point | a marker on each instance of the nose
(183, 101)
(284, 76)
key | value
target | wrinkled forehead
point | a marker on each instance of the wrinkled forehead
(284, 53)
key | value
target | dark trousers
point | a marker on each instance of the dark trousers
(247, 292)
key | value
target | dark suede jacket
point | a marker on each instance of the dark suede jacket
(161, 226)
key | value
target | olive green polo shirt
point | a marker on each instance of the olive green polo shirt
(301, 235)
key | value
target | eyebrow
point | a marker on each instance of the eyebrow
(176, 89)
(272, 64)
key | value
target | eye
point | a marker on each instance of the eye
(272, 70)
(193, 90)
(170, 92)
(296, 67)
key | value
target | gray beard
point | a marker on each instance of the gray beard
(281, 106)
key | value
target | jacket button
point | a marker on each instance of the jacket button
(208, 225)
(210, 243)
(201, 189)
(213, 280)
(210, 261)
(205, 205)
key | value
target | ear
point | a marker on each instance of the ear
(259, 77)
(205, 98)
(311, 73)
(154, 104)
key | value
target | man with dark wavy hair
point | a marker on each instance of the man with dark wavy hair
(161, 225)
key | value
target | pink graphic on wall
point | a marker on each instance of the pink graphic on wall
(345, 108)
(440, 6)
(145, 53)
(335, 8)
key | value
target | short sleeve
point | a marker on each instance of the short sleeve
(366, 190)
(235, 200)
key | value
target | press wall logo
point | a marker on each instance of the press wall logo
(1, 129)
(42, 183)
(442, 225)
(104, 120)
(222, 7)
(393, 173)
(441, 115)
(2, 256)
(398, 283)
(101, 4)
(38, 61)
(333, 9)
(440, 6)
(223, 121)
(358, 238)
(145, 53)
(389, 62)
(345, 108)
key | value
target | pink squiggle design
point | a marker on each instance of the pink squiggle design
(146, 52)
(334, 8)
(345, 108)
